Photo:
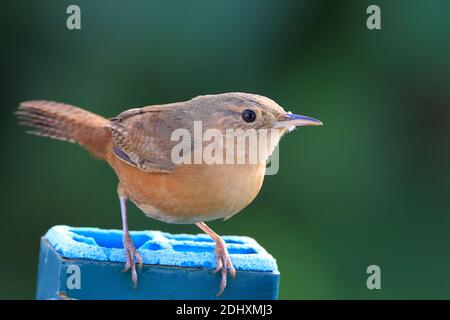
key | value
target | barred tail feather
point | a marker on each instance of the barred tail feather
(66, 122)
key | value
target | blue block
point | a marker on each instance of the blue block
(86, 263)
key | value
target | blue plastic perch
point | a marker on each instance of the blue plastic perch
(85, 263)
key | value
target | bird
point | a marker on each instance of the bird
(140, 146)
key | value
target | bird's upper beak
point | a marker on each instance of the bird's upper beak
(295, 120)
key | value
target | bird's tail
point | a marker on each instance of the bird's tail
(65, 122)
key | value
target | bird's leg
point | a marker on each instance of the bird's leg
(130, 250)
(223, 258)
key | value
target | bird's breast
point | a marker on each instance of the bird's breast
(191, 193)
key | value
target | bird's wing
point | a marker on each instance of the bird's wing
(142, 138)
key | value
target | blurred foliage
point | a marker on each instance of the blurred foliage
(370, 187)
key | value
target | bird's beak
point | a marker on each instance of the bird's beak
(295, 120)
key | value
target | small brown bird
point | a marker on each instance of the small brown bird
(139, 145)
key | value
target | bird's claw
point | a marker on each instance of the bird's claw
(223, 263)
(131, 253)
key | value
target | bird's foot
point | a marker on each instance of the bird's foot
(131, 253)
(223, 263)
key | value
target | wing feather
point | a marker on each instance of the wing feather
(142, 138)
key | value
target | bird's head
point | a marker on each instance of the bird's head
(244, 113)
(247, 111)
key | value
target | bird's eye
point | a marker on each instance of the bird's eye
(249, 115)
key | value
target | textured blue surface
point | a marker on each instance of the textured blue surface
(158, 248)
(175, 266)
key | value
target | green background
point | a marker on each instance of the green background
(370, 187)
